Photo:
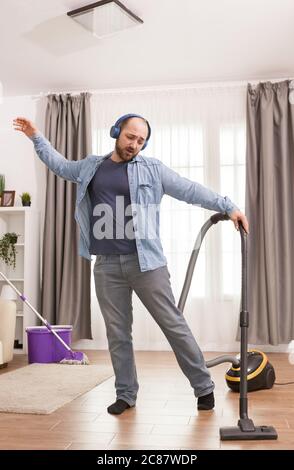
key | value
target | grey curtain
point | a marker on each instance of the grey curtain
(270, 210)
(65, 275)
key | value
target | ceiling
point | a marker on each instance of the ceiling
(181, 41)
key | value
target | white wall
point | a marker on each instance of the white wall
(22, 170)
(18, 162)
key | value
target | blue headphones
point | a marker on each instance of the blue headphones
(115, 130)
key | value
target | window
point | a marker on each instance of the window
(232, 174)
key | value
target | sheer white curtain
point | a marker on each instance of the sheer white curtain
(200, 133)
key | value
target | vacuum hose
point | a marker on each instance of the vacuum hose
(214, 219)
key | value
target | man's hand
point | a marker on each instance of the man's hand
(24, 125)
(238, 216)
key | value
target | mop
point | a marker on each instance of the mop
(71, 357)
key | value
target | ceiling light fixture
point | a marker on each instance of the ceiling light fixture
(105, 18)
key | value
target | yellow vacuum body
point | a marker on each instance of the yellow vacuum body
(260, 373)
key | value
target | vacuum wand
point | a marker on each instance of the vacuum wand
(245, 429)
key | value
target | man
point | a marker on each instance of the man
(118, 197)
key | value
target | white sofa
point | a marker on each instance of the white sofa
(7, 330)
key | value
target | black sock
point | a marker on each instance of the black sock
(118, 407)
(206, 402)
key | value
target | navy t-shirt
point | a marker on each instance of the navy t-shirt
(111, 231)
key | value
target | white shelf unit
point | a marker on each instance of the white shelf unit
(25, 222)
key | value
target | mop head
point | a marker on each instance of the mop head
(75, 358)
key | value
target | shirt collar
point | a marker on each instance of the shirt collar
(135, 159)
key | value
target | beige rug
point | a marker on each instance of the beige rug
(42, 388)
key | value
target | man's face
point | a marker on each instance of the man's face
(131, 139)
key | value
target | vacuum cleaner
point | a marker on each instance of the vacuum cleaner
(250, 370)
(260, 373)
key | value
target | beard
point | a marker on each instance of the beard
(123, 152)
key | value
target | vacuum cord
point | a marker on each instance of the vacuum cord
(285, 383)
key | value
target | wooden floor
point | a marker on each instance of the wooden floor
(165, 417)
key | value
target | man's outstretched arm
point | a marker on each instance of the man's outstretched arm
(68, 170)
(194, 193)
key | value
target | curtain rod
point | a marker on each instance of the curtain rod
(187, 86)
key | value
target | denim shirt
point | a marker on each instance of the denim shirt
(149, 179)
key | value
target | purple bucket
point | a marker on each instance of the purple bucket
(43, 347)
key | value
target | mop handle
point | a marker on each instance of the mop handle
(49, 327)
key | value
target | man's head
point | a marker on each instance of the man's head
(132, 135)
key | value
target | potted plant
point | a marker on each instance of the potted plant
(26, 199)
(2, 185)
(7, 248)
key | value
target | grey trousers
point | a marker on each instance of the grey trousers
(116, 277)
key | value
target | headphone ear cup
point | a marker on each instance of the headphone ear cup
(114, 132)
(145, 145)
